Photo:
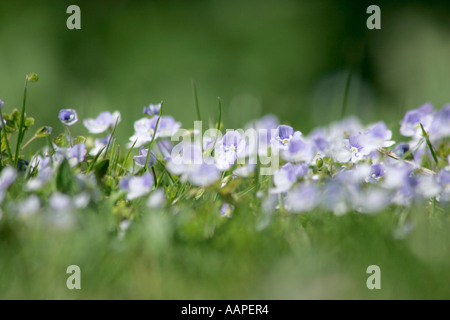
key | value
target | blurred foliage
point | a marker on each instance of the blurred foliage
(193, 253)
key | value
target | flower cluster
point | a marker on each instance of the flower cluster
(343, 167)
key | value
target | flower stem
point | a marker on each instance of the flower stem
(150, 146)
(396, 157)
(111, 136)
(28, 142)
(22, 122)
(70, 136)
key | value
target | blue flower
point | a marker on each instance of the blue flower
(245, 170)
(363, 144)
(283, 136)
(226, 210)
(68, 117)
(183, 157)
(319, 141)
(44, 168)
(398, 178)
(376, 172)
(144, 130)
(142, 158)
(444, 181)
(99, 144)
(1, 104)
(203, 175)
(298, 150)
(440, 127)
(76, 154)
(28, 207)
(60, 201)
(428, 186)
(103, 122)
(167, 127)
(264, 127)
(353, 177)
(7, 177)
(152, 109)
(371, 200)
(62, 215)
(356, 147)
(229, 149)
(335, 197)
(187, 161)
(410, 125)
(137, 186)
(303, 198)
(378, 136)
(156, 199)
(287, 176)
(401, 149)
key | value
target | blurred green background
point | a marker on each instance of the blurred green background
(290, 58)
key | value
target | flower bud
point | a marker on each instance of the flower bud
(33, 77)
(319, 163)
(43, 132)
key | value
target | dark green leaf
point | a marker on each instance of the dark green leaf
(65, 180)
(28, 122)
(79, 139)
(101, 168)
(61, 141)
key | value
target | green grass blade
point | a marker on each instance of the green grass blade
(197, 107)
(346, 91)
(165, 170)
(116, 159)
(112, 135)
(430, 146)
(126, 158)
(94, 160)
(155, 177)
